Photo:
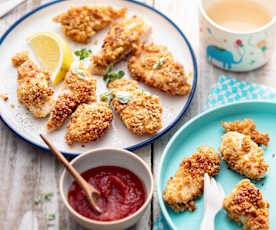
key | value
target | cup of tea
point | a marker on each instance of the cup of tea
(238, 35)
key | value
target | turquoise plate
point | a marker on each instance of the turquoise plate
(206, 129)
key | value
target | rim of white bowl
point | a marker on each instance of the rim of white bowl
(83, 218)
(203, 12)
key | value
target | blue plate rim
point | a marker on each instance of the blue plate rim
(170, 143)
(143, 143)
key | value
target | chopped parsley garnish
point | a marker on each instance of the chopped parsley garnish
(83, 53)
(107, 96)
(51, 217)
(48, 196)
(273, 155)
(124, 97)
(109, 76)
(37, 201)
(79, 73)
(159, 63)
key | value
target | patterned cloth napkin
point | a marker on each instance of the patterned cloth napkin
(229, 90)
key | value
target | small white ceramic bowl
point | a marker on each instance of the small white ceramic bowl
(106, 157)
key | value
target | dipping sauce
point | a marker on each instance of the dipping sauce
(123, 193)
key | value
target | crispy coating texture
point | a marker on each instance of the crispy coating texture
(122, 39)
(33, 86)
(124, 84)
(246, 206)
(76, 91)
(20, 58)
(81, 23)
(169, 77)
(188, 182)
(247, 127)
(243, 155)
(88, 123)
(142, 114)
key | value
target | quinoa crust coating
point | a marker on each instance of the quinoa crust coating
(243, 155)
(123, 37)
(88, 123)
(188, 182)
(246, 206)
(247, 127)
(33, 86)
(169, 76)
(142, 114)
(76, 91)
(20, 58)
(81, 23)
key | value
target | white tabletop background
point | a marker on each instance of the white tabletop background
(26, 171)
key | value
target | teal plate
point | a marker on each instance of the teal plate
(206, 129)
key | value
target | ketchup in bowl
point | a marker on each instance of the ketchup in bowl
(123, 193)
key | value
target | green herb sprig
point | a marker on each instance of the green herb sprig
(109, 76)
(123, 96)
(158, 64)
(51, 217)
(83, 53)
(37, 201)
(79, 73)
(107, 96)
(48, 196)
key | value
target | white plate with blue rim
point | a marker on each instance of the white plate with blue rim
(20, 121)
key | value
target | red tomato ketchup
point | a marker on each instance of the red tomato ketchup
(122, 191)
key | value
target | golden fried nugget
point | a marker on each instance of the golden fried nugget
(142, 113)
(122, 39)
(247, 127)
(188, 182)
(155, 66)
(82, 22)
(243, 155)
(78, 88)
(33, 86)
(88, 123)
(246, 206)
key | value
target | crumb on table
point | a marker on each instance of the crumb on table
(5, 98)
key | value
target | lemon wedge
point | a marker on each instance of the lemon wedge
(52, 52)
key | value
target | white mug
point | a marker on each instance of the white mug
(234, 50)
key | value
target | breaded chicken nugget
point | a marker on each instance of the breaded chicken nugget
(139, 111)
(33, 86)
(243, 155)
(78, 88)
(247, 127)
(82, 22)
(122, 39)
(246, 206)
(88, 123)
(187, 183)
(155, 66)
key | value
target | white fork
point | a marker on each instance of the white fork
(213, 200)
